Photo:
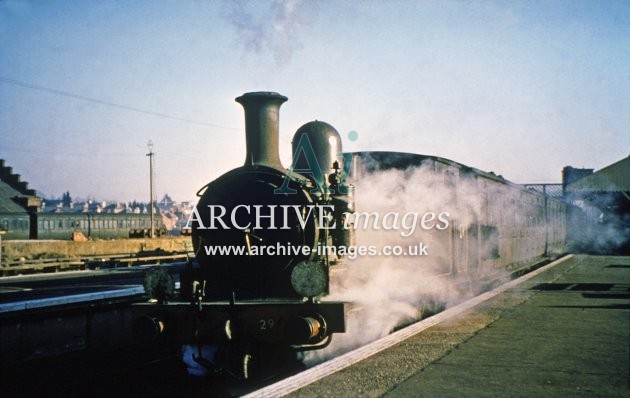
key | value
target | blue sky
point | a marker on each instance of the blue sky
(521, 88)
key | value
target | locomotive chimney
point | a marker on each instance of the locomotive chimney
(261, 128)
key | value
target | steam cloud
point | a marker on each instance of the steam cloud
(600, 225)
(391, 291)
(273, 27)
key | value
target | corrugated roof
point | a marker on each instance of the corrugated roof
(613, 178)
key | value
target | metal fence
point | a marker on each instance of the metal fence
(549, 190)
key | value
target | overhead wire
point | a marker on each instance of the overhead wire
(51, 153)
(107, 103)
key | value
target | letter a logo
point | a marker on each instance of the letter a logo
(305, 147)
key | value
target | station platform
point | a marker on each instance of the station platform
(38, 291)
(562, 333)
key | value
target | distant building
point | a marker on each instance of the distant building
(24, 215)
(166, 202)
(18, 204)
(604, 197)
(571, 174)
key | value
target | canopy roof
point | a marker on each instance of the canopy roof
(613, 178)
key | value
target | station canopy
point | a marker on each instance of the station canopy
(612, 178)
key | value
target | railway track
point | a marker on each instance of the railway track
(162, 373)
(48, 265)
(24, 292)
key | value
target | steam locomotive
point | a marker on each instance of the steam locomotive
(256, 291)
(256, 285)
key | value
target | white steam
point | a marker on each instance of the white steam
(601, 224)
(271, 26)
(392, 290)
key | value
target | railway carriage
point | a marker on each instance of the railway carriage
(94, 225)
(507, 226)
(91, 225)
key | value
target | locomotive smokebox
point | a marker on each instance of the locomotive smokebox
(261, 128)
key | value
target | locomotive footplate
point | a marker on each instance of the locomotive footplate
(297, 324)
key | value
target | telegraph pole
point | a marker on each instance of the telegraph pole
(150, 155)
(2, 232)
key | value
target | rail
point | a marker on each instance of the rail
(40, 265)
(83, 263)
